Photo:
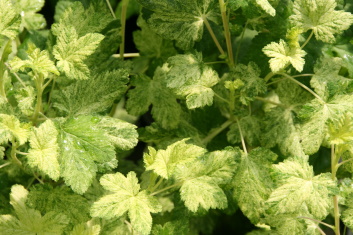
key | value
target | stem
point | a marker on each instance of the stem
(303, 86)
(39, 85)
(222, 6)
(318, 221)
(303, 75)
(215, 132)
(111, 9)
(341, 163)
(334, 162)
(308, 39)
(157, 184)
(242, 138)
(5, 164)
(123, 26)
(15, 145)
(216, 62)
(221, 98)
(240, 41)
(269, 76)
(126, 55)
(15, 74)
(50, 94)
(166, 188)
(208, 26)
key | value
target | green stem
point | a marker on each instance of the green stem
(341, 163)
(39, 85)
(216, 62)
(2, 81)
(123, 26)
(225, 21)
(111, 9)
(303, 75)
(334, 163)
(15, 74)
(242, 138)
(307, 40)
(221, 98)
(157, 184)
(303, 86)
(166, 188)
(209, 28)
(318, 221)
(269, 76)
(240, 41)
(5, 164)
(215, 132)
(15, 145)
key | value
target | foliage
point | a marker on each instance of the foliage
(230, 109)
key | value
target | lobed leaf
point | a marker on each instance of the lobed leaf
(299, 190)
(71, 51)
(252, 183)
(9, 20)
(164, 162)
(91, 96)
(321, 17)
(44, 151)
(82, 146)
(165, 108)
(282, 55)
(29, 221)
(126, 197)
(177, 20)
(12, 130)
(187, 76)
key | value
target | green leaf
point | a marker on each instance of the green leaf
(93, 19)
(252, 183)
(59, 199)
(164, 162)
(44, 150)
(9, 20)
(203, 178)
(187, 76)
(321, 17)
(126, 197)
(340, 130)
(171, 227)
(12, 130)
(250, 126)
(121, 134)
(253, 85)
(282, 55)
(177, 20)
(165, 108)
(314, 128)
(71, 51)
(27, 9)
(82, 146)
(327, 82)
(38, 61)
(85, 229)
(266, 6)
(347, 215)
(91, 96)
(298, 190)
(150, 44)
(29, 221)
(280, 129)
(26, 97)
